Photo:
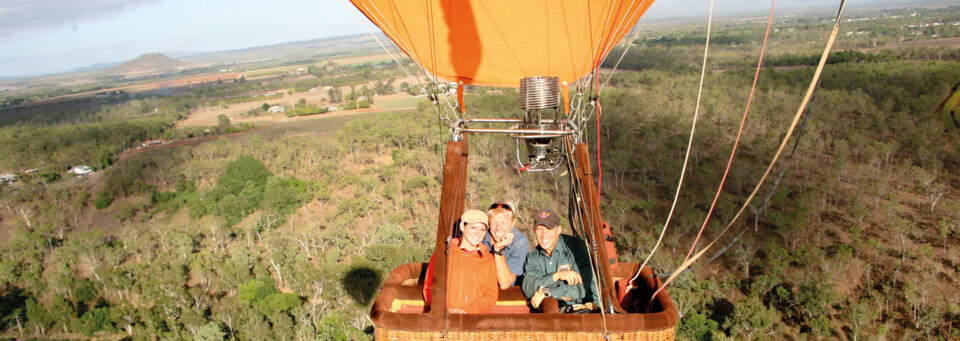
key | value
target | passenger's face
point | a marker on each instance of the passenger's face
(547, 238)
(473, 235)
(500, 225)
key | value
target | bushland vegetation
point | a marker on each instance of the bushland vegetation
(188, 209)
(63, 138)
(289, 238)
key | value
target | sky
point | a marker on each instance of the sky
(51, 36)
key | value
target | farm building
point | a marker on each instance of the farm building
(8, 178)
(80, 170)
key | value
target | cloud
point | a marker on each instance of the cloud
(19, 16)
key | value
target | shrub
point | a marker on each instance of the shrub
(95, 320)
(244, 170)
(256, 290)
(278, 302)
(103, 199)
(698, 327)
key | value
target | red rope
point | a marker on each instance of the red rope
(736, 143)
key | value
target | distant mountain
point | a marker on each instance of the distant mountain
(179, 55)
(94, 67)
(316, 49)
(146, 64)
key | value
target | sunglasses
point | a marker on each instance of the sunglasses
(501, 205)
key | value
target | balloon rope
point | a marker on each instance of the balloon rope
(776, 157)
(630, 39)
(357, 16)
(686, 158)
(596, 78)
(736, 142)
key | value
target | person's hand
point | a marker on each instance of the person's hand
(537, 298)
(457, 311)
(572, 278)
(506, 240)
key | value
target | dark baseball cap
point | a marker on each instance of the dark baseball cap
(546, 217)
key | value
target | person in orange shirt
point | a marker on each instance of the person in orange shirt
(472, 281)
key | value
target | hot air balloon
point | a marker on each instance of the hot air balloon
(546, 48)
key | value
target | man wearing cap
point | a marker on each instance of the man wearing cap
(472, 280)
(559, 266)
(508, 245)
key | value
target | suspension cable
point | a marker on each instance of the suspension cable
(576, 190)
(633, 37)
(402, 67)
(596, 77)
(793, 125)
(391, 54)
(686, 158)
(736, 142)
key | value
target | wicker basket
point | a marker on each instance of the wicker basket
(387, 334)
(392, 323)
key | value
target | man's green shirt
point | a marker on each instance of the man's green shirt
(569, 254)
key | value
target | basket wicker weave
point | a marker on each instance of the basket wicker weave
(387, 334)
(641, 322)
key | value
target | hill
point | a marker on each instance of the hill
(146, 64)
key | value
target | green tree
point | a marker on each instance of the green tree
(62, 313)
(38, 317)
(95, 320)
(212, 331)
(697, 327)
(85, 291)
(335, 95)
(103, 199)
(283, 326)
(367, 93)
(861, 315)
(249, 198)
(278, 302)
(251, 325)
(383, 88)
(223, 124)
(245, 170)
(353, 93)
(751, 319)
(282, 195)
(256, 290)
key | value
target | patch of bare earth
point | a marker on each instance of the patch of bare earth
(940, 42)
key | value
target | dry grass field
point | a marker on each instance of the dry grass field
(942, 42)
(362, 59)
(207, 116)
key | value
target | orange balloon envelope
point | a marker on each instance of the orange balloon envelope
(498, 42)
